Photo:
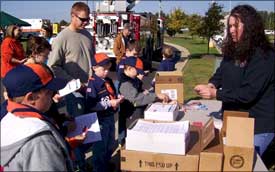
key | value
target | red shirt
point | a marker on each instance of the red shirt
(10, 48)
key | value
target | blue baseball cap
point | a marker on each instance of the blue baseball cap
(136, 63)
(31, 77)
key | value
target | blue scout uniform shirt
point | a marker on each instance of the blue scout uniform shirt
(98, 95)
(167, 65)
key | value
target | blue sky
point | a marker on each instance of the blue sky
(58, 10)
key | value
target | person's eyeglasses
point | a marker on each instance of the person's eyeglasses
(83, 19)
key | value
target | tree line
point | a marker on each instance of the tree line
(212, 23)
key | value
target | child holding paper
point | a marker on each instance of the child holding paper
(30, 139)
(136, 99)
(101, 98)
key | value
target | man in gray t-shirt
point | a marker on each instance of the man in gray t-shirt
(71, 54)
(70, 58)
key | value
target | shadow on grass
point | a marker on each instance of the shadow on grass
(198, 43)
(196, 56)
(200, 55)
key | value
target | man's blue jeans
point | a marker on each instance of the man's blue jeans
(261, 142)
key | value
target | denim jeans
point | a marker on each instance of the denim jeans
(102, 150)
(261, 142)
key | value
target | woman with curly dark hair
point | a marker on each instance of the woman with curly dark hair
(245, 79)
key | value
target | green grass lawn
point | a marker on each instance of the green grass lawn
(198, 70)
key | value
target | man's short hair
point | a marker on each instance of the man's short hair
(127, 26)
(80, 6)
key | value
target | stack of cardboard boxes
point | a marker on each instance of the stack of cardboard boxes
(202, 134)
(208, 149)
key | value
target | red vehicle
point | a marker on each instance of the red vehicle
(104, 26)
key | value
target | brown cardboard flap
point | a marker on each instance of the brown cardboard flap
(194, 142)
(206, 123)
(240, 132)
(216, 145)
(207, 133)
(211, 159)
(232, 113)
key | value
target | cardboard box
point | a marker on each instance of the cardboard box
(211, 159)
(239, 144)
(158, 137)
(206, 125)
(170, 83)
(228, 113)
(161, 112)
(146, 161)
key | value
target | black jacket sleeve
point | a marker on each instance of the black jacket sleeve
(258, 75)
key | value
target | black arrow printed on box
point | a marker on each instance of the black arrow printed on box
(176, 165)
(140, 163)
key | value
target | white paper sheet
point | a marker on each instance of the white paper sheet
(89, 120)
(160, 107)
(71, 86)
(149, 127)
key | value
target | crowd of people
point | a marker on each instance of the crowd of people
(34, 132)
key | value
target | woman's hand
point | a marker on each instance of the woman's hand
(206, 91)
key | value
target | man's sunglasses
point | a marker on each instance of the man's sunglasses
(83, 19)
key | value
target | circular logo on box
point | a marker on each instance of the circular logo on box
(237, 161)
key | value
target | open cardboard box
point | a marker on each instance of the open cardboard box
(239, 144)
(211, 158)
(170, 83)
(206, 125)
(147, 161)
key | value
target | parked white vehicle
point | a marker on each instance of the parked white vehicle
(269, 32)
(218, 39)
